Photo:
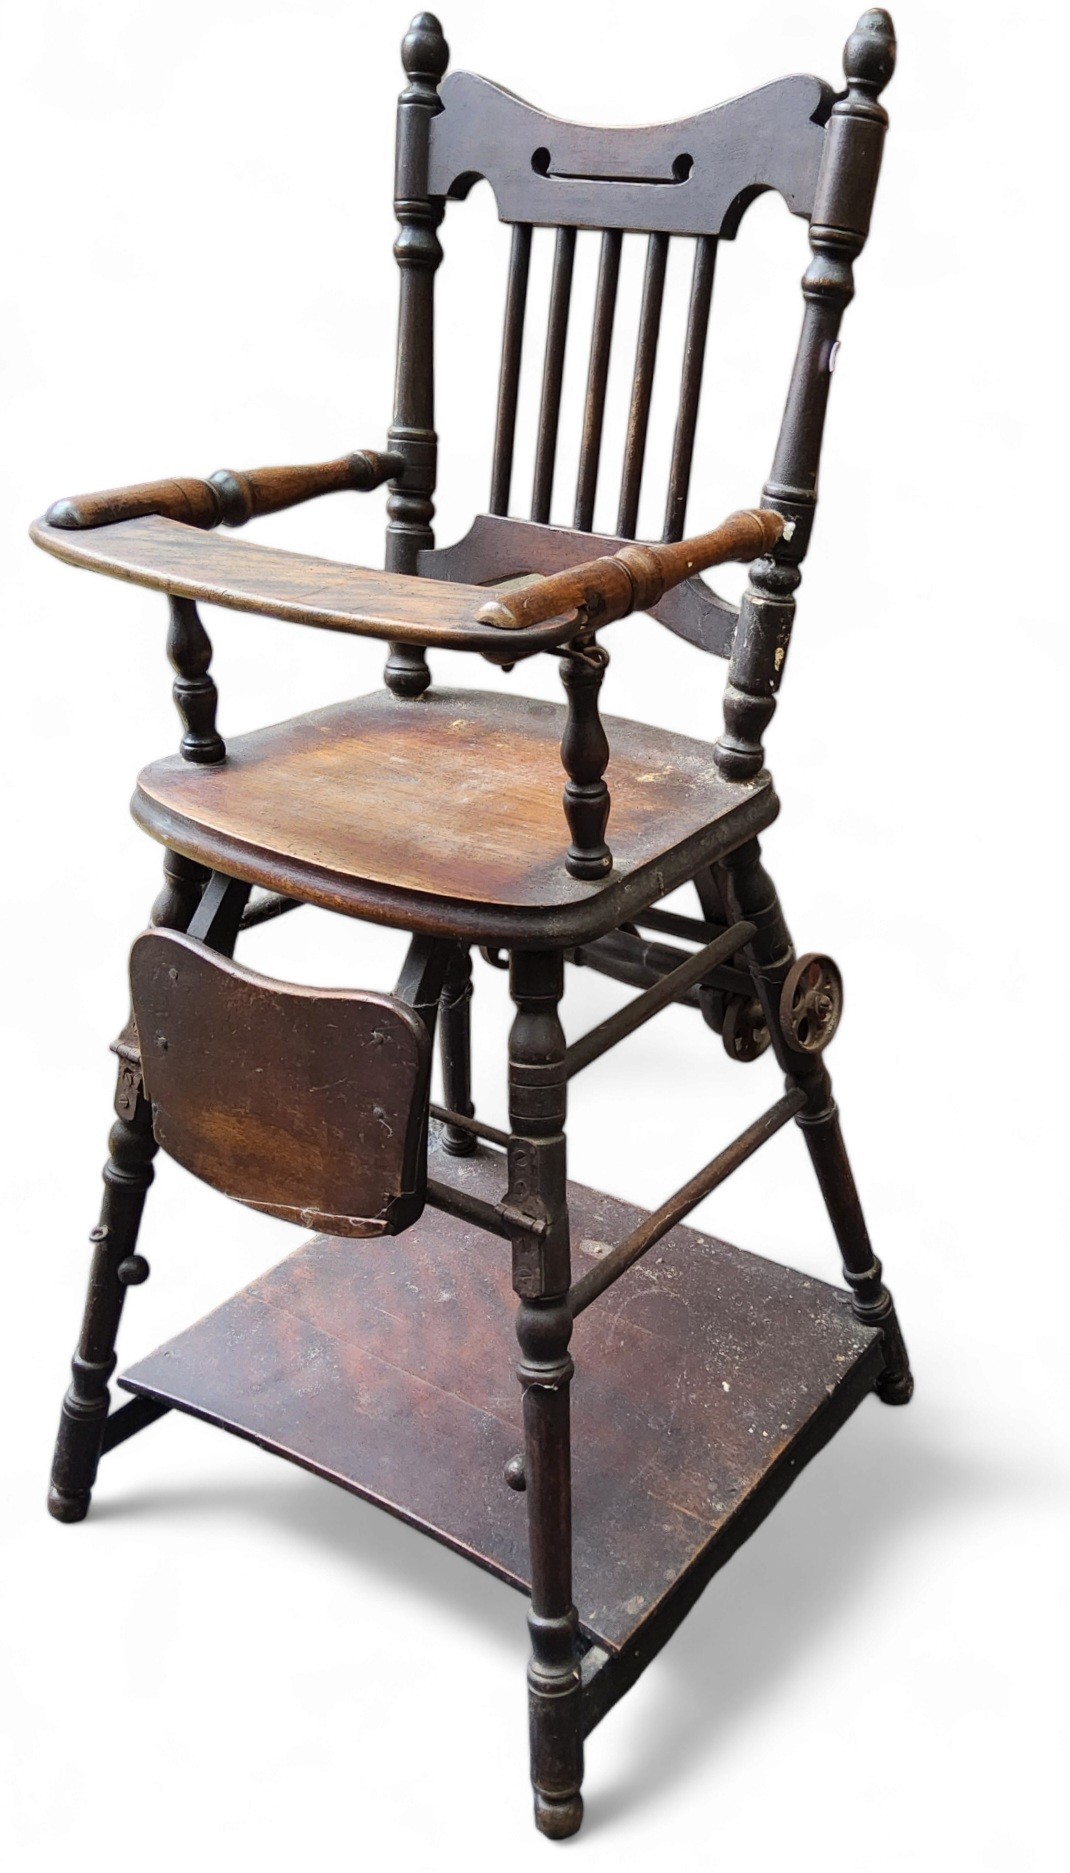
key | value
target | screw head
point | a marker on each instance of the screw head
(133, 1271)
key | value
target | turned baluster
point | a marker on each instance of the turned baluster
(410, 506)
(585, 756)
(541, 1279)
(189, 651)
(843, 203)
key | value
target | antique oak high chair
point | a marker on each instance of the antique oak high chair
(383, 1367)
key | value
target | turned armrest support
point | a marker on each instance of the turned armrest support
(228, 497)
(634, 578)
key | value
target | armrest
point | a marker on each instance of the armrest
(229, 497)
(635, 577)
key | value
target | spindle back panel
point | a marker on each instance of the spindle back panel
(691, 180)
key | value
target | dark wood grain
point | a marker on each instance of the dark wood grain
(309, 1104)
(603, 590)
(243, 576)
(313, 808)
(414, 1405)
(570, 175)
(230, 497)
(499, 547)
(418, 252)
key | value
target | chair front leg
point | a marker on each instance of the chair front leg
(541, 1277)
(115, 1265)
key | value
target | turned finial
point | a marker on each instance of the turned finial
(424, 52)
(869, 55)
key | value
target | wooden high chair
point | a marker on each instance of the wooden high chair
(382, 1366)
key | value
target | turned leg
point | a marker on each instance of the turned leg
(541, 1275)
(115, 1265)
(455, 1044)
(750, 893)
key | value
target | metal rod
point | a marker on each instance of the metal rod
(590, 1046)
(509, 380)
(490, 1132)
(646, 351)
(605, 306)
(683, 447)
(553, 374)
(271, 904)
(604, 1273)
(468, 1208)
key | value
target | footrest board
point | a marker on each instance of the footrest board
(705, 1379)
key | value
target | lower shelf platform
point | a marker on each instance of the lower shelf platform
(705, 1379)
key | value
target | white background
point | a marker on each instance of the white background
(231, 1664)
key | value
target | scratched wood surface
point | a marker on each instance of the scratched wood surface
(239, 574)
(389, 1370)
(453, 798)
(307, 1103)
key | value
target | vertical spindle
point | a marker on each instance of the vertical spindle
(646, 351)
(605, 306)
(553, 373)
(683, 447)
(516, 298)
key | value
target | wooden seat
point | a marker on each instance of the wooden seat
(444, 814)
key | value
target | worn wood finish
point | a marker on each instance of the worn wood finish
(309, 1104)
(228, 498)
(418, 252)
(115, 1264)
(388, 1334)
(696, 176)
(711, 1377)
(312, 808)
(240, 575)
(749, 892)
(509, 379)
(646, 351)
(683, 447)
(847, 183)
(594, 408)
(634, 578)
(500, 547)
(553, 372)
(189, 652)
(538, 1199)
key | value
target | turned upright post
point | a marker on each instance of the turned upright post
(541, 1280)
(854, 140)
(410, 503)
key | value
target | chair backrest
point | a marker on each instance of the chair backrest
(820, 151)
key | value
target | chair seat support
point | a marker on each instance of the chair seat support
(673, 1211)
(606, 1035)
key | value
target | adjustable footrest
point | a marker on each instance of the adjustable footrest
(308, 1103)
(702, 1387)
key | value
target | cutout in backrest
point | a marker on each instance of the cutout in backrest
(307, 1103)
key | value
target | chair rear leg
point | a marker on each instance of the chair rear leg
(115, 1265)
(750, 893)
(455, 1044)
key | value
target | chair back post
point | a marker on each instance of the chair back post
(417, 250)
(847, 183)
